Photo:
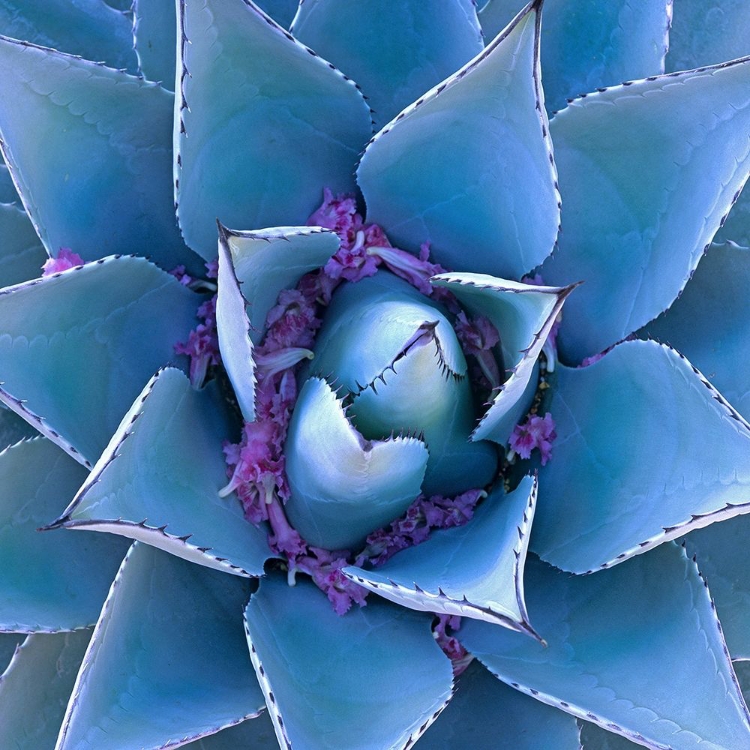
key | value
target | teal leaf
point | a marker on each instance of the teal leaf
(587, 44)
(13, 429)
(159, 478)
(9, 643)
(474, 570)
(282, 11)
(89, 28)
(155, 35)
(708, 322)
(742, 669)
(21, 252)
(468, 167)
(595, 738)
(374, 678)
(119, 316)
(647, 171)
(260, 158)
(610, 491)
(524, 315)
(484, 711)
(736, 227)
(335, 473)
(257, 734)
(636, 649)
(167, 661)
(394, 49)
(36, 687)
(723, 555)
(51, 581)
(267, 261)
(8, 192)
(101, 186)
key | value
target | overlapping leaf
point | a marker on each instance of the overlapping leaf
(21, 252)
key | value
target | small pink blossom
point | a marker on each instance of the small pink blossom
(535, 432)
(476, 334)
(291, 322)
(181, 274)
(338, 213)
(452, 648)
(202, 345)
(352, 263)
(325, 569)
(417, 270)
(66, 259)
(212, 269)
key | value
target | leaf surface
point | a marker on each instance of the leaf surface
(21, 252)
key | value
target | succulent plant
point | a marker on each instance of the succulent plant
(314, 476)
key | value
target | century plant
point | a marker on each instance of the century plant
(413, 375)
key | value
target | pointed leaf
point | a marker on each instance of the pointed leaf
(524, 315)
(36, 687)
(158, 481)
(119, 316)
(469, 166)
(261, 158)
(612, 489)
(474, 570)
(647, 171)
(325, 676)
(8, 192)
(636, 649)
(51, 581)
(155, 36)
(595, 738)
(101, 184)
(268, 261)
(335, 474)
(88, 28)
(395, 49)
(708, 323)
(483, 710)
(21, 252)
(587, 44)
(167, 662)
(257, 733)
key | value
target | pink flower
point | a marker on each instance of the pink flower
(535, 432)
(66, 259)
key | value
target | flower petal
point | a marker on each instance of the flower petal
(468, 167)
(373, 678)
(21, 252)
(612, 490)
(636, 649)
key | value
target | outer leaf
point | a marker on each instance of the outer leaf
(378, 661)
(257, 733)
(723, 554)
(119, 316)
(708, 322)
(397, 49)
(474, 570)
(101, 185)
(155, 36)
(13, 429)
(36, 687)
(468, 167)
(606, 633)
(159, 478)
(259, 158)
(484, 712)
(165, 668)
(594, 738)
(335, 473)
(282, 11)
(647, 171)
(743, 675)
(587, 44)
(8, 192)
(21, 252)
(611, 490)
(9, 642)
(88, 28)
(50, 581)
(525, 315)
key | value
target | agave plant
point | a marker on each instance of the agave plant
(366, 505)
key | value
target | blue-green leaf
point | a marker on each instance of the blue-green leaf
(167, 662)
(21, 252)
(613, 488)
(257, 142)
(36, 687)
(636, 649)
(723, 554)
(335, 474)
(51, 581)
(268, 261)
(469, 167)
(282, 11)
(394, 49)
(9, 642)
(101, 184)
(708, 322)
(253, 734)
(155, 36)
(159, 478)
(484, 711)
(647, 171)
(76, 348)
(524, 315)
(587, 44)
(474, 570)
(8, 192)
(89, 28)
(13, 429)
(595, 738)
(373, 678)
